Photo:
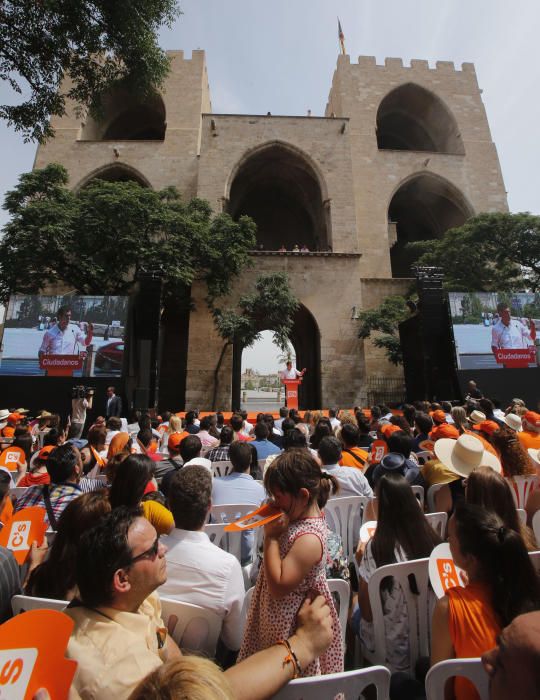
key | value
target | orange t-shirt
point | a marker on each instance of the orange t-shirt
(529, 440)
(474, 629)
(350, 460)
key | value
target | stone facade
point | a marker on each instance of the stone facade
(438, 151)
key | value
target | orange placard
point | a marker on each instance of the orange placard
(25, 527)
(10, 456)
(32, 657)
(448, 574)
(426, 445)
(261, 516)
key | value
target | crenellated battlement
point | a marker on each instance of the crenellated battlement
(415, 65)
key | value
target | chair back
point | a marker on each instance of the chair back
(535, 560)
(230, 512)
(343, 591)
(229, 541)
(521, 487)
(467, 668)
(348, 685)
(536, 527)
(438, 523)
(522, 515)
(193, 628)
(419, 493)
(431, 496)
(23, 603)
(221, 468)
(245, 608)
(344, 516)
(417, 604)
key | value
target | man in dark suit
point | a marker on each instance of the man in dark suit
(114, 403)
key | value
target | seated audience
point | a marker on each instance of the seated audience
(221, 453)
(37, 473)
(262, 444)
(514, 458)
(352, 455)
(93, 455)
(114, 426)
(171, 463)
(442, 428)
(237, 424)
(351, 481)
(191, 424)
(190, 451)
(198, 572)
(55, 577)
(529, 437)
(207, 440)
(501, 584)
(147, 444)
(423, 426)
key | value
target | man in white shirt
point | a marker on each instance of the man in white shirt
(509, 333)
(334, 420)
(291, 372)
(64, 338)
(351, 481)
(198, 571)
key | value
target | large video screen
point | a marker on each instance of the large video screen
(67, 335)
(495, 330)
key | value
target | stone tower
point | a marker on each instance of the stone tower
(402, 154)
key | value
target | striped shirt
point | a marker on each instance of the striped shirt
(219, 454)
(60, 495)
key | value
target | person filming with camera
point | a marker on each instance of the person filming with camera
(81, 400)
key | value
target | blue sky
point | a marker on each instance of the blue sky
(279, 56)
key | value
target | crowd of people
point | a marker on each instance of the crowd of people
(129, 502)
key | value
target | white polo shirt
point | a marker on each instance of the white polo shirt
(513, 336)
(351, 481)
(70, 341)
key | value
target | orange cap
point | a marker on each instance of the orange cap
(387, 429)
(14, 417)
(531, 417)
(44, 453)
(175, 439)
(444, 431)
(439, 416)
(487, 426)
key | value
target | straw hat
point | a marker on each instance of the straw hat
(22, 410)
(514, 422)
(4, 413)
(465, 454)
(477, 417)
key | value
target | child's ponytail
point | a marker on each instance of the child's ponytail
(329, 487)
(296, 469)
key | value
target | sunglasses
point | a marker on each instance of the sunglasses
(150, 553)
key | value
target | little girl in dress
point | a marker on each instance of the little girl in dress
(295, 556)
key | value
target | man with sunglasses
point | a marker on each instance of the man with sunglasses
(119, 635)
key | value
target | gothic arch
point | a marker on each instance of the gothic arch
(411, 118)
(281, 188)
(126, 117)
(422, 207)
(114, 172)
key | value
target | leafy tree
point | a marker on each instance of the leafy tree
(98, 42)
(95, 241)
(270, 307)
(381, 325)
(490, 252)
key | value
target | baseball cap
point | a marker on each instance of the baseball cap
(44, 453)
(444, 431)
(387, 429)
(531, 417)
(175, 439)
(439, 416)
(486, 426)
(13, 417)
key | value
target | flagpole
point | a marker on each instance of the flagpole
(341, 38)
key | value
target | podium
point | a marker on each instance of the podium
(291, 392)
(61, 365)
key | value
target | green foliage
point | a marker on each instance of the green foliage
(98, 42)
(381, 325)
(490, 252)
(97, 240)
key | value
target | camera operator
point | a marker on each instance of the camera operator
(81, 399)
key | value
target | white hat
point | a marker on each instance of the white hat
(477, 417)
(534, 455)
(465, 454)
(4, 413)
(22, 410)
(513, 421)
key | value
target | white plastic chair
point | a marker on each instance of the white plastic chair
(417, 605)
(221, 468)
(536, 526)
(423, 456)
(468, 668)
(193, 628)
(230, 512)
(343, 591)
(521, 487)
(245, 608)
(23, 603)
(535, 560)
(438, 523)
(350, 683)
(522, 515)
(432, 490)
(419, 493)
(344, 516)
(229, 541)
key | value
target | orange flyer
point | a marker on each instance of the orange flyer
(448, 574)
(32, 655)
(25, 527)
(263, 515)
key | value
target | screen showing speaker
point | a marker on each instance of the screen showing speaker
(64, 335)
(495, 330)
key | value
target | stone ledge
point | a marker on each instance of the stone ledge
(291, 254)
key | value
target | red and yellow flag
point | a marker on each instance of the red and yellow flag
(341, 37)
